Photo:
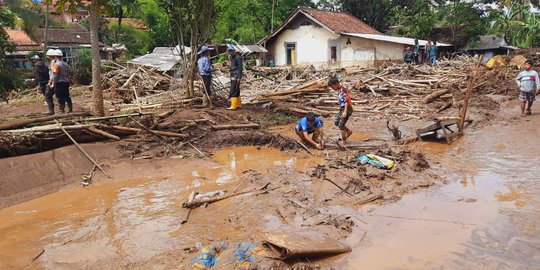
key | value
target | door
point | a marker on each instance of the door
(291, 53)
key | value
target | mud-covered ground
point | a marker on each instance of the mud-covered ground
(133, 220)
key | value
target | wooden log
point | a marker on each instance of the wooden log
(24, 122)
(239, 126)
(48, 128)
(434, 95)
(137, 130)
(103, 133)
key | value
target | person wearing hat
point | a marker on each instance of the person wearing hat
(236, 71)
(41, 72)
(205, 69)
(49, 90)
(60, 82)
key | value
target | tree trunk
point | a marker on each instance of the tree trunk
(97, 99)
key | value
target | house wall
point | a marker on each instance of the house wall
(313, 48)
(312, 45)
(368, 53)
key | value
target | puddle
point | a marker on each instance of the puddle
(130, 220)
(488, 217)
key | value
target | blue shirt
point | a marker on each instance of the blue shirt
(303, 125)
(433, 51)
(205, 66)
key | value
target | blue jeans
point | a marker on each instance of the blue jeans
(433, 59)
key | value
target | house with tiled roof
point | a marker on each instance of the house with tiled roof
(136, 23)
(69, 40)
(325, 38)
(24, 45)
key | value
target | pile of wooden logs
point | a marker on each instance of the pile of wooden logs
(129, 84)
(400, 91)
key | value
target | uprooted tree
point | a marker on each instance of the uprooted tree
(192, 22)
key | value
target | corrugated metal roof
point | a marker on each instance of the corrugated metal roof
(392, 39)
(245, 49)
(162, 58)
(485, 42)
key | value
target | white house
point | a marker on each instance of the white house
(323, 38)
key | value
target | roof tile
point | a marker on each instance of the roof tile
(340, 22)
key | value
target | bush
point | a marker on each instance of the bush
(137, 42)
(81, 68)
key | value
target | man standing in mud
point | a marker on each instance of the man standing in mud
(60, 83)
(236, 72)
(345, 108)
(529, 85)
(310, 130)
(41, 72)
(205, 70)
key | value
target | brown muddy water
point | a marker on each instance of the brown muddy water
(134, 219)
(486, 217)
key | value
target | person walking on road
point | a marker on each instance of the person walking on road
(48, 91)
(236, 72)
(529, 86)
(345, 108)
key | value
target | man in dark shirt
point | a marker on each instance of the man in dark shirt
(41, 71)
(236, 73)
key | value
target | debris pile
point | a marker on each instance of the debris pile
(130, 84)
(399, 91)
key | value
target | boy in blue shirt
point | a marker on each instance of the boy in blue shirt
(309, 129)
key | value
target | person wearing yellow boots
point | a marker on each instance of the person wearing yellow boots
(236, 72)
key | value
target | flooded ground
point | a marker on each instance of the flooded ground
(485, 216)
(137, 220)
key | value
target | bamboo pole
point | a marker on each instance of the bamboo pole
(84, 152)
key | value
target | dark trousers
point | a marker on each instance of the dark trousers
(48, 92)
(207, 81)
(235, 88)
(43, 87)
(62, 94)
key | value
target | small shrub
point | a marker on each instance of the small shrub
(81, 68)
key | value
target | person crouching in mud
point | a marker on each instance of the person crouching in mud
(310, 129)
(345, 108)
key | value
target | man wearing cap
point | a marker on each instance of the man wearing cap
(236, 71)
(205, 69)
(60, 82)
(41, 72)
(49, 90)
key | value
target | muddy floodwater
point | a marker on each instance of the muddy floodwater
(485, 216)
(133, 219)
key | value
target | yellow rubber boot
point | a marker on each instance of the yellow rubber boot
(234, 103)
(239, 104)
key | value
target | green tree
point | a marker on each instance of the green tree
(81, 68)
(137, 42)
(248, 21)
(7, 81)
(416, 20)
(96, 8)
